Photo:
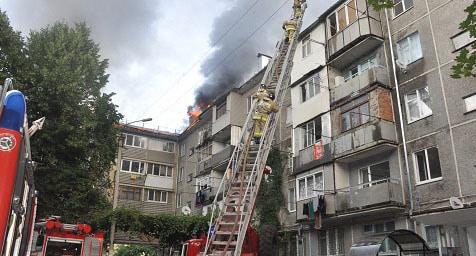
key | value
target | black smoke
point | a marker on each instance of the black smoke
(226, 67)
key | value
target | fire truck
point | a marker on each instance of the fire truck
(51, 237)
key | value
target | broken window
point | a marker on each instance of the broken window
(427, 164)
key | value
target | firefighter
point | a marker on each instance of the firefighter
(290, 27)
(297, 7)
(265, 105)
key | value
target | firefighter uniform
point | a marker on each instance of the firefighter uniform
(264, 106)
(290, 27)
(297, 7)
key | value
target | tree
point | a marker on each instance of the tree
(77, 146)
(13, 62)
(135, 250)
(466, 60)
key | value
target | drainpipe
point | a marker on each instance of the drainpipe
(399, 105)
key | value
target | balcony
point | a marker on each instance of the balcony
(219, 161)
(204, 166)
(354, 86)
(378, 134)
(306, 159)
(354, 41)
(375, 194)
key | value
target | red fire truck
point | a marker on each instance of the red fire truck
(51, 237)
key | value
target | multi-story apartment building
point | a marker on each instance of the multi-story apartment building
(144, 174)
(348, 142)
(207, 145)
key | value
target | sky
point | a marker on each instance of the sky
(165, 55)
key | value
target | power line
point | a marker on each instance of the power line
(206, 52)
(233, 51)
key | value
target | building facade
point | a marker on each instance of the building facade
(144, 175)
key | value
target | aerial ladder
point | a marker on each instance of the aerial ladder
(241, 182)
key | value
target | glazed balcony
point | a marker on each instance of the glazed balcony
(376, 134)
(357, 84)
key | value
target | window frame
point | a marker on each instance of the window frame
(315, 193)
(371, 62)
(344, 6)
(418, 180)
(470, 96)
(368, 172)
(405, 9)
(351, 111)
(418, 98)
(168, 146)
(180, 174)
(291, 203)
(182, 150)
(463, 46)
(156, 192)
(409, 42)
(220, 110)
(178, 200)
(143, 164)
(169, 170)
(314, 83)
(207, 180)
(131, 189)
(142, 140)
(306, 48)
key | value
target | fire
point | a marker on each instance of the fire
(194, 111)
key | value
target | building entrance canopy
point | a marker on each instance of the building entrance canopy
(408, 243)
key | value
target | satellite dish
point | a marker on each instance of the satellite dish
(186, 210)
(204, 211)
(456, 203)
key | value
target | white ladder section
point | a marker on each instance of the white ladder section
(242, 179)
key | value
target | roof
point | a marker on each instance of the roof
(137, 130)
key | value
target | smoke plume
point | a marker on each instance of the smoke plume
(226, 67)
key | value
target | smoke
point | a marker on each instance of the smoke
(226, 67)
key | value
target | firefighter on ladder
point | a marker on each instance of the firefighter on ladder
(265, 105)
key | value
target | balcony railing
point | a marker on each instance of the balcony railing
(308, 159)
(381, 192)
(363, 29)
(377, 74)
(364, 137)
(221, 158)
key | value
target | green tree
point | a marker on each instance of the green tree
(13, 61)
(466, 60)
(77, 146)
(135, 250)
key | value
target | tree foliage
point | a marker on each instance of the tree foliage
(60, 71)
(170, 230)
(135, 250)
(270, 197)
(466, 60)
(380, 4)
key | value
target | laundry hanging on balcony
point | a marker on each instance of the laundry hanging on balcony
(320, 212)
(318, 150)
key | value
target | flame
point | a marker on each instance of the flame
(194, 111)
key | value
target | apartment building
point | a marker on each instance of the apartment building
(438, 119)
(348, 145)
(144, 174)
(207, 145)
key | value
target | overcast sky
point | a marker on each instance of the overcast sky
(162, 53)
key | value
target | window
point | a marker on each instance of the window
(132, 166)
(180, 174)
(431, 234)
(374, 174)
(221, 110)
(344, 16)
(135, 141)
(157, 195)
(129, 193)
(462, 40)
(418, 104)
(291, 199)
(335, 242)
(470, 103)
(311, 132)
(355, 117)
(360, 68)
(159, 170)
(310, 88)
(203, 183)
(182, 150)
(205, 151)
(376, 228)
(409, 49)
(306, 46)
(169, 147)
(401, 6)
(308, 185)
(427, 164)
(179, 200)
